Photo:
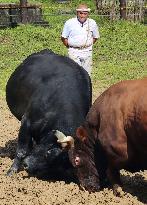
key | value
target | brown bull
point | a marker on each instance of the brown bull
(113, 137)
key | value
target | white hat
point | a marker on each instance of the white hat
(84, 9)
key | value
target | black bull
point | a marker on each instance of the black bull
(47, 92)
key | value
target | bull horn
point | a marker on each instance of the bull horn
(59, 135)
(64, 140)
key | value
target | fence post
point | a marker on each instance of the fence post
(112, 10)
(10, 14)
(98, 4)
(141, 10)
(123, 9)
(24, 11)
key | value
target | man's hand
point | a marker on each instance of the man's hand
(94, 40)
(65, 41)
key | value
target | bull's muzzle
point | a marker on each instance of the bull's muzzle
(91, 184)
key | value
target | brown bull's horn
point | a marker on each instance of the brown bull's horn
(65, 141)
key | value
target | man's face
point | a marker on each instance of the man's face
(82, 16)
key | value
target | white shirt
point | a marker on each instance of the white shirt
(80, 35)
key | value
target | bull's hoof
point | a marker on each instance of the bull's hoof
(90, 189)
(11, 171)
(117, 190)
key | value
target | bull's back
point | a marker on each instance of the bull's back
(123, 95)
(22, 84)
(47, 71)
(122, 108)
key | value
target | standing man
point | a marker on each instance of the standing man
(79, 34)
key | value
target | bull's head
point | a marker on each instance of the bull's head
(81, 157)
(48, 158)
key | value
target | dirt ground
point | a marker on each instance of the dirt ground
(24, 190)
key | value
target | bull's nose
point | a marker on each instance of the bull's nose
(26, 167)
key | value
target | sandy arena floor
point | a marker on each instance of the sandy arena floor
(24, 190)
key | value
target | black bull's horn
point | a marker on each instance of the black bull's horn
(64, 140)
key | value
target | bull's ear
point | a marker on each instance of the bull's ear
(82, 134)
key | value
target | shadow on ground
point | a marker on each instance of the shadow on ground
(136, 185)
(9, 149)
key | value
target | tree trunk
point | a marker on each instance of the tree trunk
(98, 4)
(123, 9)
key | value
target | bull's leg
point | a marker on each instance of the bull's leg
(117, 159)
(113, 175)
(23, 147)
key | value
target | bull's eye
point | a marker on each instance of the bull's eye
(49, 152)
(53, 153)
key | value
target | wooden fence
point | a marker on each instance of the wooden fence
(13, 14)
(135, 9)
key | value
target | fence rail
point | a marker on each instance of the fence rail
(131, 8)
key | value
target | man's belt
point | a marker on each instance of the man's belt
(79, 48)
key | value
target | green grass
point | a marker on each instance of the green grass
(120, 53)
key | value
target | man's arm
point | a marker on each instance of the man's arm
(65, 34)
(65, 41)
